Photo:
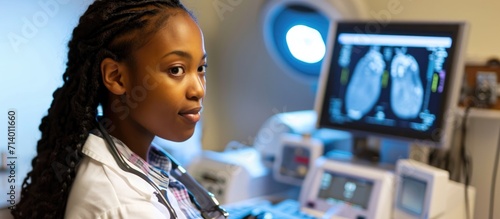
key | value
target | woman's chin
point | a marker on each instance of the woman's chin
(178, 137)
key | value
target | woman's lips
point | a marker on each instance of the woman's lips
(191, 117)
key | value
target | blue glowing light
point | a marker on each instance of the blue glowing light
(306, 44)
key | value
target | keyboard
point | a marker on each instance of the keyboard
(286, 209)
(241, 209)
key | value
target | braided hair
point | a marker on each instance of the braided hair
(109, 28)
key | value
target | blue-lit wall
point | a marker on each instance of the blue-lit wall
(34, 35)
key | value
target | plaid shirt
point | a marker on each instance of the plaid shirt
(157, 170)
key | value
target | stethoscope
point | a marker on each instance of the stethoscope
(209, 206)
(125, 167)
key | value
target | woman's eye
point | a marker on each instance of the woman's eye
(202, 68)
(176, 71)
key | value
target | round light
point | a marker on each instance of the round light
(305, 44)
(296, 31)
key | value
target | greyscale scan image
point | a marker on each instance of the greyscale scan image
(363, 90)
(388, 85)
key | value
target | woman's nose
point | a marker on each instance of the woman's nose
(196, 89)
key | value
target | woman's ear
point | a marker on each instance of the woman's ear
(112, 76)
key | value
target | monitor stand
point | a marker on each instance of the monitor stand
(380, 150)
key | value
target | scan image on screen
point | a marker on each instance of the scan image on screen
(399, 80)
(412, 196)
(387, 84)
(336, 188)
(363, 90)
(406, 90)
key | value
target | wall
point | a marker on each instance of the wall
(482, 16)
(482, 141)
(33, 51)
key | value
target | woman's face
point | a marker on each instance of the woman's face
(165, 84)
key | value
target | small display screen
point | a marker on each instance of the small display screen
(295, 161)
(337, 188)
(411, 196)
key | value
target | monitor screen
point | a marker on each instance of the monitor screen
(412, 195)
(421, 191)
(346, 189)
(398, 79)
(295, 161)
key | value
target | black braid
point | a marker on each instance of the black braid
(109, 28)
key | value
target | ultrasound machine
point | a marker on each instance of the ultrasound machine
(397, 82)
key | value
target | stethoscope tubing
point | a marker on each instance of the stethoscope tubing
(125, 167)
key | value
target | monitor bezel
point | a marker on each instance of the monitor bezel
(439, 137)
(381, 192)
(436, 188)
(350, 177)
(290, 140)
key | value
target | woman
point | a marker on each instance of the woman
(144, 63)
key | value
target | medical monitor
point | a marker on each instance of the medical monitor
(421, 190)
(348, 190)
(398, 79)
(296, 157)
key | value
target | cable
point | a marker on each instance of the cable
(466, 160)
(204, 200)
(494, 180)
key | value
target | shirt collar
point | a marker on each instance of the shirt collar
(157, 171)
(158, 159)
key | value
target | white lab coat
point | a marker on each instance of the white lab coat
(102, 190)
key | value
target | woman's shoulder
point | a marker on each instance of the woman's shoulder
(99, 191)
(92, 190)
